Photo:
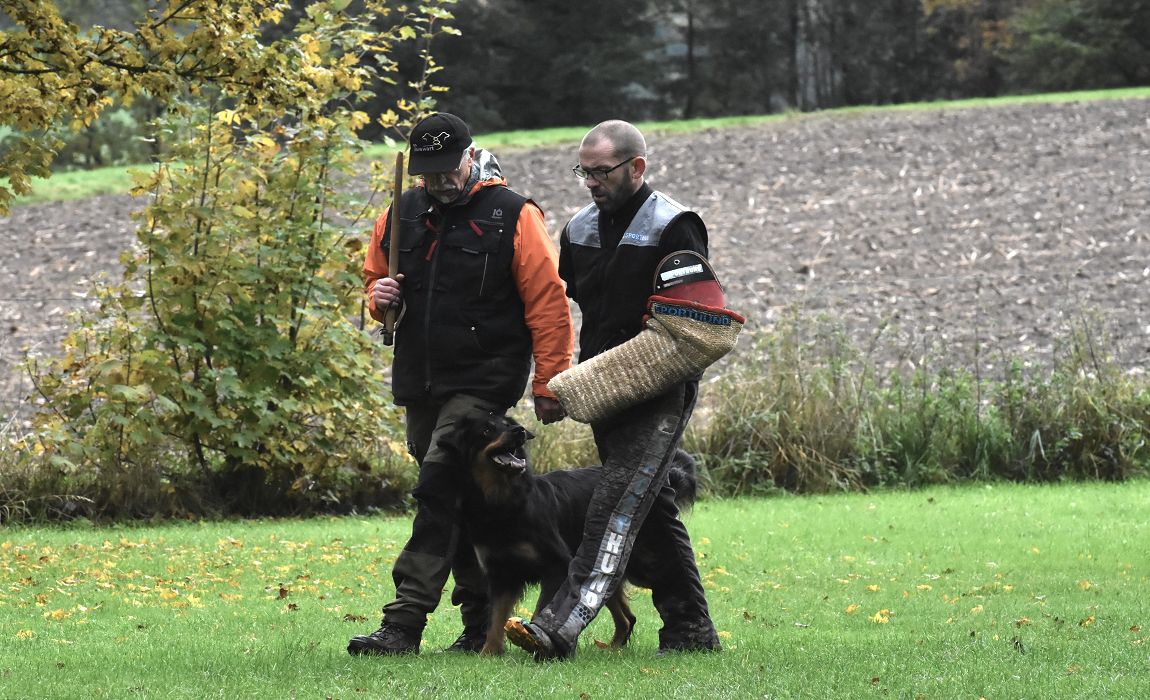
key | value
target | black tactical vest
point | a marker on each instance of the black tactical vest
(612, 284)
(463, 331)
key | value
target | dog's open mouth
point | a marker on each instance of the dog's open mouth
(511, 461)
(508, 453)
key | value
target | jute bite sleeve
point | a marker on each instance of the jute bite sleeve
(679, 341)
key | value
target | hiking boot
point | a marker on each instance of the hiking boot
(531, 637)
(471, 641)
(699, 637)
(389, 640)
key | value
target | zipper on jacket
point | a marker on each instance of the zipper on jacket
(486, 256)
(432, 277)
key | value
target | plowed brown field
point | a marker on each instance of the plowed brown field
(964, 235)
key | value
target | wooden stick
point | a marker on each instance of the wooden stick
(391, 315)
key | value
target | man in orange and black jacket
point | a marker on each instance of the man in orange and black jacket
(481, 297)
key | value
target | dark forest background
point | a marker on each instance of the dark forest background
(529, 64)
(539, 63)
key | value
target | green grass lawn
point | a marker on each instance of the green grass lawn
(1000, 591)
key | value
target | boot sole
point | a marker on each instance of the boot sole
(520, 636)
(519, 633)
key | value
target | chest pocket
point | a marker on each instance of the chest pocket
(414, 242)
(471, 257)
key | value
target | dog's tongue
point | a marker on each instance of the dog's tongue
(507, 459)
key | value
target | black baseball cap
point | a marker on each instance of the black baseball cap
(438, 143)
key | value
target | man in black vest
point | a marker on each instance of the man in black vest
(608, 255)
(481, 298)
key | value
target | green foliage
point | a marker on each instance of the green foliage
(1074, 44)
(56, 75)
(238, 354)
(690, 58)
(815, 416)
(116, 137)
(595, 59)
(800, 412)
(784, 418)
(1084, 420)
(963, 42)
(225, 372)
(932, 429)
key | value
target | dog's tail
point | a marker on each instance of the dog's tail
(683, 477)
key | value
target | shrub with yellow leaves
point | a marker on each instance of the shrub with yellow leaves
(226, 371)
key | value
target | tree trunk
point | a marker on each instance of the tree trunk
(689, 106)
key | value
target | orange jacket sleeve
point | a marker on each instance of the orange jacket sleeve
(375, 263)
(547, 312)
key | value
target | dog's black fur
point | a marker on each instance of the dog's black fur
(526, 527)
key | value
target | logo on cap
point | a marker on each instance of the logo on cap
(436, 141)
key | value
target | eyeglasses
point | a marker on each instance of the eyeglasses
(598, 174)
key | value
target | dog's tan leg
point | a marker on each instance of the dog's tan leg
(502, 604)
(622, 616)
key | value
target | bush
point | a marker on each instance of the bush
(813, 417)
(800, 412)
(786, 416)
(225, 373)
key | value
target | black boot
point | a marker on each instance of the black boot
(389, 640)
(471, 641)
(699, 635)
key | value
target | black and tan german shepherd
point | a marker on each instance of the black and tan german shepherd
(526, 527)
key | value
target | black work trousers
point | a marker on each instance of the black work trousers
(437, 545)
(633, 510)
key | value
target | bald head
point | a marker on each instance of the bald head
(613, 159)
(623, 138)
